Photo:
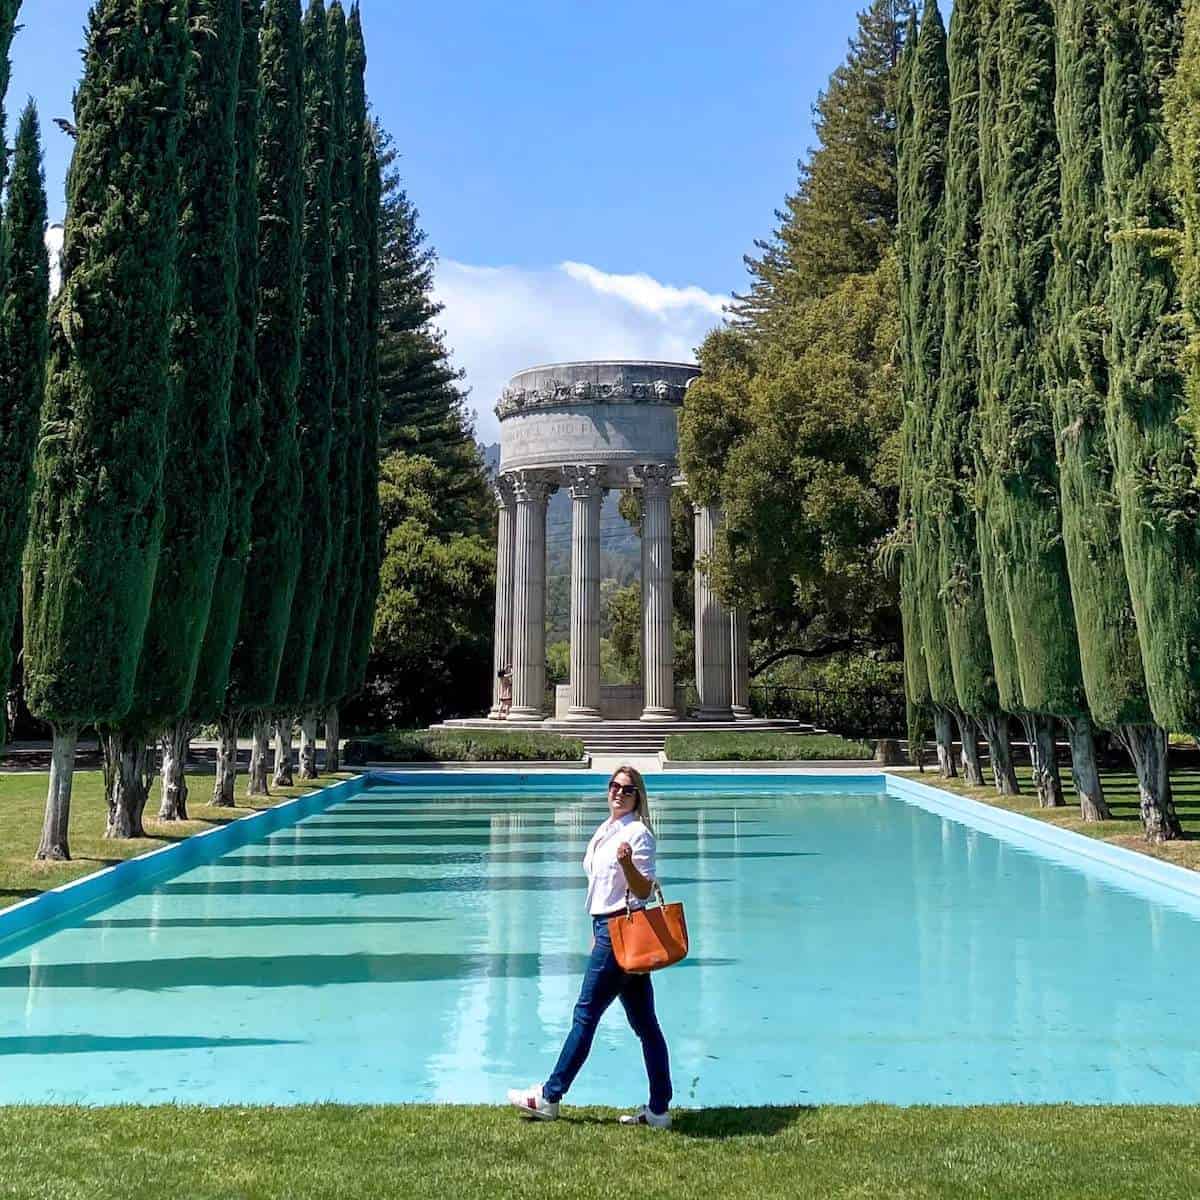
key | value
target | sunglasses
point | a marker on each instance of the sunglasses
(622, 789)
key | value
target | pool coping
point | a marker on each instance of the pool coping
(21, 918)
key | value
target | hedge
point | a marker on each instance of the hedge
(414, 745)
(752, 747)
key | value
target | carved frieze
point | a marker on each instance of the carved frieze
(560, 394)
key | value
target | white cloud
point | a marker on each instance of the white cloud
(499, 320)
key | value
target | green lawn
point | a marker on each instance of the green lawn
(763, 747)
(1120, 789)
(336, 1153)
(22, 802)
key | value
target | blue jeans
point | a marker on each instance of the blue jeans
(602, 984)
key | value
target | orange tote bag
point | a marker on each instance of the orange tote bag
(648, 939)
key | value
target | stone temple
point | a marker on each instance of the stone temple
(591, 427)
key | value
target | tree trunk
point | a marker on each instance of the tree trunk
(1147, 746)
(968, 734)
(257, 785)
(308, 746)
(283, 752)
(943, 732)
(125, 771)
(223, 785)
(1084, 770)
(995, 730)
(1039, 732)
(54, 843)
(174, 743)
(333, 749)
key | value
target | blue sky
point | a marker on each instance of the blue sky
(589, 174)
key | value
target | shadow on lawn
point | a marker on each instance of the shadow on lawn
(717, 1124)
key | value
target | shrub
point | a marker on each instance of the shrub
(467, 745)
(773, 747)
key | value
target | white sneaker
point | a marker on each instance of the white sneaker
(529, 1101)
(644, 1116)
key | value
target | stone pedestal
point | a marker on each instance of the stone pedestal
(739, 637)
(714, 666)
(587, 495)
(505, 555)
(658, 644)
(531, 491)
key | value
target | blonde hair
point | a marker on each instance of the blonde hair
(642, 806)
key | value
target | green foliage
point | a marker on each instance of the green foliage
(1153, 450)
(204, 338)
(26, 275)
(97, 511)
(244, 444)
(763, 747)
(413, 745)
(839, 221)
(1110, 656)
(954, 434)
(274, 562)
(341, 233)
(433, 628)
(315, 393)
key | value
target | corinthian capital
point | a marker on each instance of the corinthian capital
(583, 482)
(656, 479)
(502, 490)
(532, 487)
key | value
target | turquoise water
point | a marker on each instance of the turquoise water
(400, 946)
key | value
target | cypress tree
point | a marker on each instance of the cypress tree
(316, 383)
(1153, 453)
(1110, 655)
(317, 698)
(274, 562)
(1024, 517)
(196, 473)
(925, 159)
(916, 673)
(97, 511)
(357, 316)
(244, 443)
(372, 545)
(954, 440)
(26, 274)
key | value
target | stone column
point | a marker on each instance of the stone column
(714, 666)
(532, 491)
(587, 495)
(506, 505)
(658, 643)
(739, 638)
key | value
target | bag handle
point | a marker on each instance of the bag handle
(655, 890)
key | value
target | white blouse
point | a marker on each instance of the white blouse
(606, 880)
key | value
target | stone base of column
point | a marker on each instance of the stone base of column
(526, 714)
(583, 714)
(659, 714)
(741, 713)
(713, 714)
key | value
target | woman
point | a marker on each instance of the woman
(619, 861)
(505, 676)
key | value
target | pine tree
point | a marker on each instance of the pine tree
(317, 699)
(954, 433)
(337, 683)
(840, 220)
(274, 563)
(196, 472)
(316, 382)
(1110, 655)
(1153, 453)
(245, 451)
(97, 510)
(26, 274)
(372, 546)
(924, 158)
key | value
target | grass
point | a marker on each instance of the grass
(1121, 791)
(773, 747)
(341, 1153)
(467, 745)
(22, 801)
